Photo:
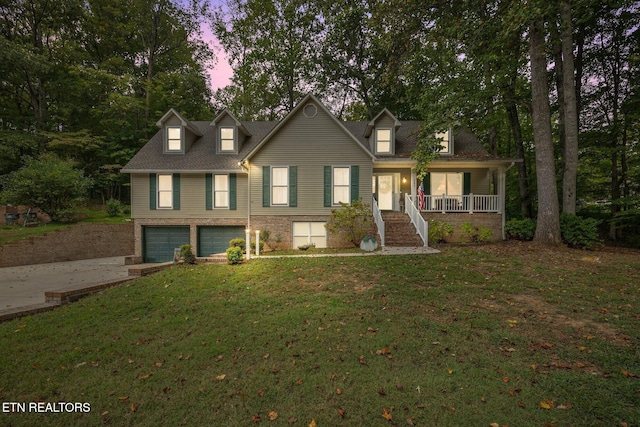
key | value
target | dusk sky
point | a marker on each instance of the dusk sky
(221, 72)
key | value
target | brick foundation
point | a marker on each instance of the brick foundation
(492, 221)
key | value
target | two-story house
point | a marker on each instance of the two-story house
(205, 183)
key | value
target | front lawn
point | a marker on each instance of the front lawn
(509, 334)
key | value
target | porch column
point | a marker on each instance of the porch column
(414, 187)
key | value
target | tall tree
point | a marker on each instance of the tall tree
(548, 224)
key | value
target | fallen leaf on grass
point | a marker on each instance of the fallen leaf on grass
(547, 404)
(273, 415)
(361, 360)
(342, 412)
(629, 374)
(338, 391)
(145, 377)
(410, 422)
(522, 405)
(123, 398)
(386, 414)
(383, 351)
(256, 418)
(221, 377)
(313, 423)
(133, 407)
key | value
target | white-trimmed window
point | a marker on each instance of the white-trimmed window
(165, 191)
(451, 184)
(227, 139)
(280, 185)
(221, 191)
(174, 138)
(383, 141)
(341, 185)
(309, 232)
(445, 142)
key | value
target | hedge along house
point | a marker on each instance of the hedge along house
(205, 183)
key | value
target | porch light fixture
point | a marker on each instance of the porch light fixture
(404, 180)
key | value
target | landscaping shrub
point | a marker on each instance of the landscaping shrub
(114, 207)
(354, 219)
(234, 255)
(238, 243)
(578, 232)
(439, 231)
(253, 246)
(265, 237)
(476, 234)
(187, 254)
(520, 229)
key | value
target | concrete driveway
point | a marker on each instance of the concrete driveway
(25, 285)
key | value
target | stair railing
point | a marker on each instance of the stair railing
(377, 217)
(421, 225)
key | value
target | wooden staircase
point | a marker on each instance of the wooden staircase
(399, 231)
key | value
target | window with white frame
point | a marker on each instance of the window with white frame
(309, 232)
(280, 185)
(227, 139)
(383, 141)
(341, 185)
(447, 183)
(444, 138)
(221, 191)
(165, 191)
(174, 138)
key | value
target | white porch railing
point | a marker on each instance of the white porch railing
(422, 226)
(468, 203)
(377, 217)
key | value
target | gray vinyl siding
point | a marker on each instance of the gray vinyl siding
(192, 199)
(310, 144)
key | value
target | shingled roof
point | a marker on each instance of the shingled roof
(201, 156)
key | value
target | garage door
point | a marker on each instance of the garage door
(215, 240)
(159, 242)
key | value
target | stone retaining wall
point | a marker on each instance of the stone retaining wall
(79, 241)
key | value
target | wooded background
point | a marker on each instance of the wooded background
(554, 84)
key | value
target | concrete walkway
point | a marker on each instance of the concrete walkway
(22, 289)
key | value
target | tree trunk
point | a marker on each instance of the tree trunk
(570, 170)
(548, 225)
(516, 130)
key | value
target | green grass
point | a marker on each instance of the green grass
(471, 336)
(16, 232)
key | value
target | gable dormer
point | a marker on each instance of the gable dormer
(229, 133)
(446, 141)
(178, 133)
(381, 132)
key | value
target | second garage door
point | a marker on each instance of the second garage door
(215, 240)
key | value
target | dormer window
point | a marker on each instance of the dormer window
(445, 142)
(383, 141)
(227, 139)
(174, 139)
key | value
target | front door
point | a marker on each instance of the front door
(383, 189)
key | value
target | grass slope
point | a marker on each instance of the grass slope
(508, 334)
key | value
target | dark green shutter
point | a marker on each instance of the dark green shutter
(232, 191)
(467, 183)
(327, 186)
(152, 191)
(355, 182)
(426, 183)
(266, 186)
(208, 188)
(176, 191)
(293, 186)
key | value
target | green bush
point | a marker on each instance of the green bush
(354, 219)
(578, 232)
(439, 231)
(234, 255)
(187, 254)
(114, 207)
(476, 234)
(265, 238)
(520, 229)
(253, 246)
(238, 243)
